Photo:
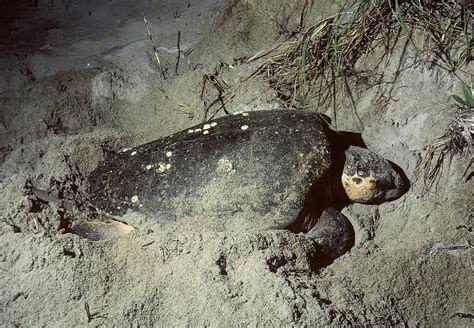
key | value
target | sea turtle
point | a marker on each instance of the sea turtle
(269, 169)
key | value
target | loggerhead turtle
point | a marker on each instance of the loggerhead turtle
(269, 169)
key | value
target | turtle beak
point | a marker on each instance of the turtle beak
(400, 181)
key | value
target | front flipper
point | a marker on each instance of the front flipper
(101, 230)
(334, 234)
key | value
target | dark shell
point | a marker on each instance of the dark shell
(256, 167)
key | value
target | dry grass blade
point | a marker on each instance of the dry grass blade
(222, 95)
(319, 61)
(318, 58)
(458, 139)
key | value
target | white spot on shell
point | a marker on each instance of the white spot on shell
(149, 166)
(244, 127)
(245, 114)
(224, 165)
(197, 130)
(205, 132)
(134, 199)
(168, 166)
(133, 153)
(169, 153)
(206, 126)
(213, 124)
(190, 131)
(161, 167)
(126, 149)
(237, 113)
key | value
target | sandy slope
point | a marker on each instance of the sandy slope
(78, 79)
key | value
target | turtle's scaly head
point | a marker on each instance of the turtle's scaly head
(370, 178)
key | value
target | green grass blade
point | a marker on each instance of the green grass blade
(459, 99)
(466, 90)
(419, 8)
(398, 15)
(304, 55)
(471, 103)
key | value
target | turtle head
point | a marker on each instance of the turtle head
(370, 178)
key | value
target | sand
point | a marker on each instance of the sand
(79, 79)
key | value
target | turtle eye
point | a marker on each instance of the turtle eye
(361, 172)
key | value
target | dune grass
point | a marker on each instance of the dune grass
(320, 60)
(315, 59)
(457, 139)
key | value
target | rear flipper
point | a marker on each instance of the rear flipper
(93, 229)
(100, 230)
(334, 234)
